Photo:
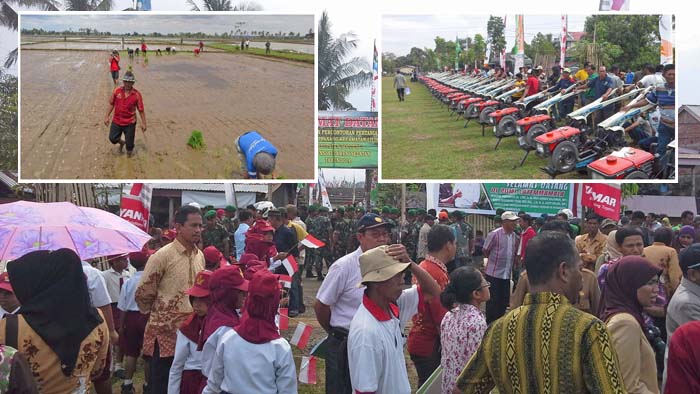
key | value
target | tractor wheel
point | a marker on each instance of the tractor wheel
(506, 126)
(471, 111)
(484, 115)
(535, 131)
(564, 157)
(637, 175)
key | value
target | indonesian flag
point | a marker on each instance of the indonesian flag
(666, 33)
(307, 373)
(135, 204)
(285, 280)
(290, 264)
(301, 336)
(312, 242)
(284, 319)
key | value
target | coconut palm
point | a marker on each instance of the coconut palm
(211, 5)
(8, 18)
(337, 75)
(88, 5)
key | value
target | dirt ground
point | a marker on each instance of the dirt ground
(64, 99)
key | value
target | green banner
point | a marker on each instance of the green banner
(540, 198)
(347, 139)
(485, 198)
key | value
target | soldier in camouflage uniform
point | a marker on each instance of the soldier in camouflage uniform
(230, 223)
(341, 235)
(215, 234)
(325, 235)
(410, 239)
(312, 228)
(464, 239)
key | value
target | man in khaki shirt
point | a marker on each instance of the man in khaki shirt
(662, 254)
(590, 245)
(161, 292)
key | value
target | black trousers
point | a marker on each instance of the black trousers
(335, 384)
(160, 372)
(425, 366)
(115, 134)
(500, 297)
(401, 92)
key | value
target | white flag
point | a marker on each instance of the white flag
(666, 33)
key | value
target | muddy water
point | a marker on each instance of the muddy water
(65, 96)
(106, 46)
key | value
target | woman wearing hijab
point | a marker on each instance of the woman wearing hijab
(686, 237)
(227, 292)
(632, 284)
(186, 371)
(253, 358)
(259, 241)
(610, 252)
(64, 339)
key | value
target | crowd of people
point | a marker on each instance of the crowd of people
(548, 304)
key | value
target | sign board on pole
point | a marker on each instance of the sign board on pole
(347, 139)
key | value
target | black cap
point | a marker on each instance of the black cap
(430, 217)
(371, 220)
(690, 257)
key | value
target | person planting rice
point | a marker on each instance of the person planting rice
(131, 53)
(144, 48)
(125, 101)
(196, 51)
(257, 155)
(114, 66)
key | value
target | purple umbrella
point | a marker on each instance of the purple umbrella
(90, 232)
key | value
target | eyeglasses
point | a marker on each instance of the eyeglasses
(488, 284)
(694, 266)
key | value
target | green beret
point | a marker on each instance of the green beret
(210, 214)
(341, 210)
(412, 212)
(323, 209)
(360, 209)
(386, 209)
(458, 214)
(395, 211)
(422, 211)
(313, 208)
(230, 208)
(499, 211)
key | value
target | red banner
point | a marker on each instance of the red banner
(603, 199)
(136, 205)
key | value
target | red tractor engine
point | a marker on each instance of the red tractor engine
(485, 108)
(529, 128)
(626, 163)
(547, 142)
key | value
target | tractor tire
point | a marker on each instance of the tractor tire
(484, 115)
(506, 126)
(535, 131)
(637, 175)
(471, 111)
(564, 157)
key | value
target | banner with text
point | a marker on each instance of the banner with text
(347, 139)
(485, 198)
(603, 199)
(135, 204)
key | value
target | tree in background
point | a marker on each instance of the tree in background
(626, 40)
(88, 5)
(8, 121)
(496, 36)
(338, 75)
(477, 50)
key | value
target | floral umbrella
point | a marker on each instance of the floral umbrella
(90, 232)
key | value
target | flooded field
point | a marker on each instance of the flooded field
(107, 46)
(65, 98)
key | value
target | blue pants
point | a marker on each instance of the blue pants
(296, 293)
(666, 134)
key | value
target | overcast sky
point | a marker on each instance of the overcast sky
(145, 23)
(400, 33)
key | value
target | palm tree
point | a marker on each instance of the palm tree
(88, 5)
(247, 6)
(211, 5)
(338, 76)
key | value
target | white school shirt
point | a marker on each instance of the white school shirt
(127, 297)
(375, 346)
(111, 278)
(187, 358)
(339, 289)
(241, 367)
(97, 288)
(209, 348)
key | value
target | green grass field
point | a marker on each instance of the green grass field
(294, 56)
(421, 141)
